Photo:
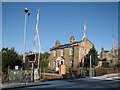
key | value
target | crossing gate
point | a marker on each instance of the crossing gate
(22, 76)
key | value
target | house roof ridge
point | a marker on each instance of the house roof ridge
(66, 44)
(61, 46)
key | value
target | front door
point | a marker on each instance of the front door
(59, 61)
(57, 65)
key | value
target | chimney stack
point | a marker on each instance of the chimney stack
(57, 43)
(72, 39)
(102, 49)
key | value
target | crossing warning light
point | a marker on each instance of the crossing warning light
(31, 57)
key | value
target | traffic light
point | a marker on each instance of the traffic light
(31, 57)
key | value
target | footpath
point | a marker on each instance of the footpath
(58, 83)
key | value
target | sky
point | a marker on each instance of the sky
(59, 21)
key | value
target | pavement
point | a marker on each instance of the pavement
(112, 81)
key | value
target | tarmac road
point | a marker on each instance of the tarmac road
(113, 82)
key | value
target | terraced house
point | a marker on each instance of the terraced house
(68, 54)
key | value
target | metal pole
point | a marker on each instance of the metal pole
(33, 70)
(90, 65)
(24, 42)
(25, 79)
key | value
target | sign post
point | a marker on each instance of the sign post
(26, 73)
(32, 58)
(33, 70)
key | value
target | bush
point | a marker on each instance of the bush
(105, 64)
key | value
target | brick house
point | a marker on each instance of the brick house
(111, 58)
(68, 54)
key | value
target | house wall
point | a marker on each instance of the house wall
(103, 55)
(67, 57)
(109, 56)
(76, 57)
(78, 51)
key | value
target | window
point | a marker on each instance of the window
(58, 64)
(71, 51)
(49, 64)
(116, 52)
(86, 51)
(55, 53)
(61, 62)
(71, 63)
(62, 52)
(111, 61)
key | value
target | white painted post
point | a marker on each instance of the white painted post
(90, 65)
(90, 61)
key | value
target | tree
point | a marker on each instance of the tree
(94, 58)
(43, 59)
(43, 63)
(28, 65)
(10, 58)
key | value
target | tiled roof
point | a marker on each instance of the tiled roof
(66, 45)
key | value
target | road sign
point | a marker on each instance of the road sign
(16, 67)
(26, 72)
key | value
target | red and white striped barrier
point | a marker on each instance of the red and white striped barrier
(36, 30)
(83, 44)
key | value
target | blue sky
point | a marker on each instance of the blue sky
(59, 21)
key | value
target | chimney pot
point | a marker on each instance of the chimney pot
(72, 39)
(102, 49)
(57, 43)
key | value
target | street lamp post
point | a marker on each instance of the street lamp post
(26, 13)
